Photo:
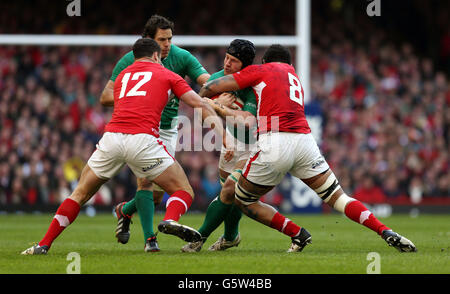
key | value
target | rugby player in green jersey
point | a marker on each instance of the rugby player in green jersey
(241, 123)
(184, 64)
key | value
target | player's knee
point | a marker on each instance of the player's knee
(228, 188)
(227, 192)
(328, 188)
(245, 197)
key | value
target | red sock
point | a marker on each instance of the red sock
(177, 205)
(65, 215)
(286, 226)
(357, 212)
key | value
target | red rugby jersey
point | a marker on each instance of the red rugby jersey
(279, 97)
(141, 91)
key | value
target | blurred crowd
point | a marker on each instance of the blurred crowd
(387, 115)
(385, 111)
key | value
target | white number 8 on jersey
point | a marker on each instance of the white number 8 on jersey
(295, 90)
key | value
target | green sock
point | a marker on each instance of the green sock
(129, 208)
(146, 209)
(217, 210)
(232, 223)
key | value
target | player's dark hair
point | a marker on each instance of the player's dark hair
(244, 50)
(145, 47)
(277, 53)
(154, 23)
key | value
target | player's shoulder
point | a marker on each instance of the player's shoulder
(124, 62)
(128, 58)
(168, 73)
(177, 52)
(129, 54)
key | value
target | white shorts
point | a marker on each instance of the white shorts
(280, 153)
(170, 138)
(242, 152)
(145, 155)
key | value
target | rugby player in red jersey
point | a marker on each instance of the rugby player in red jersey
(141, 92)
(285, 145)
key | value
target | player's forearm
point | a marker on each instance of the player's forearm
(107, 97)
(209, 114)
(202, 79)
(220, 85)
(238, 117)
(106, 102)
(207, 111)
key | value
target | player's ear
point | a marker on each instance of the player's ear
(156, 56)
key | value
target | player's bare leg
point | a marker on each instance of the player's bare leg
(247, 198)
(174, 181)
(68, 211)
(327, 187)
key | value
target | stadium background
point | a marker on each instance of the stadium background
(379, 87)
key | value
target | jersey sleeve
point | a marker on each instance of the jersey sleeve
(123, 63)
(178, 85)
(193, 67)
(248, 76)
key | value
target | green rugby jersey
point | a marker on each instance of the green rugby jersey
(249, 99)
(181, 62)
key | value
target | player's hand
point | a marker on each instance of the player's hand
(209, 101)
(228, 143)
(214, 104)
(226, 99)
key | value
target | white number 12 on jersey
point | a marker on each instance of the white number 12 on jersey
(295, 90)
(135, 90)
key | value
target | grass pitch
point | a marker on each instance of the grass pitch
(339, 246)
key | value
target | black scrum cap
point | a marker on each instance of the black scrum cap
(243, 50)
